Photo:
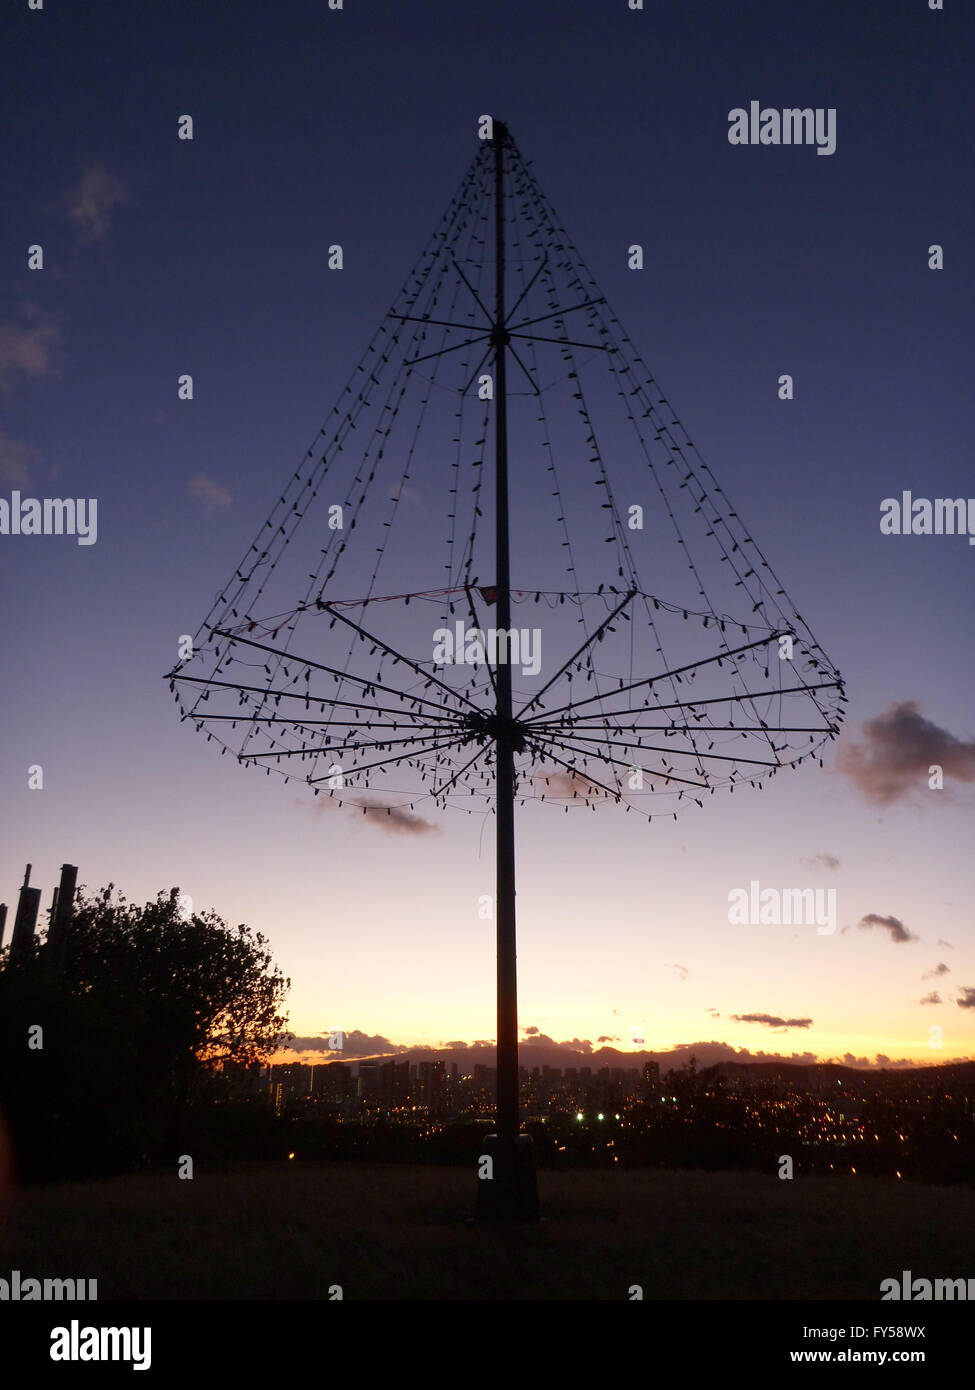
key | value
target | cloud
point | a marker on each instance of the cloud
(939, 969)
(967, 1000)
(898, 932)
(532, 1031)
(546, 1051)
(27, 349)
(821, 861)
(212, 495)
(316, 1043)
(945, 943)
(881, 1060)
(91, 202)
(567, 786)
(713, 1012)
(402, 492)
(899, 747)
(354, 1044)
(933, 998)
(606, 1038)
(681, 971)
(14, 458)
(395, 820)
(318, 806)
(772, 1020)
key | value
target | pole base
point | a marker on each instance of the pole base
(506, 1187)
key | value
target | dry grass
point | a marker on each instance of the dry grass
(387, 1231)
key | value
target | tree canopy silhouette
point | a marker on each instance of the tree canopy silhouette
(149, 1001)
(212, 990)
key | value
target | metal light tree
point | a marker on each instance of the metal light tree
(500, 343)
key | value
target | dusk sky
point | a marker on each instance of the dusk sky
(312, 127)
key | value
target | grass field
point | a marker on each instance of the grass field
(382, 1231)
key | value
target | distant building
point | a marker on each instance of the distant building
(368, 1083)
(244, 1081)
(333, 1082)
(290, 1082)
(394, 1084)
(550, 1082)
(431, 1080)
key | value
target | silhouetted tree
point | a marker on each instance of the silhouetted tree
(210, 992)
(149, 1002)
(212, 989)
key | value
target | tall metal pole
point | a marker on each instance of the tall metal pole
(512, 1190)
(505, 788)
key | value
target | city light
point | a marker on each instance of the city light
(885, 1118)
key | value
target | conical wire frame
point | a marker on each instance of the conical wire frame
(655, 655)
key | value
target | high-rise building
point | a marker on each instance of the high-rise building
(394, 1084)
(368, 1083)
(431, 1080)
(333, 1082)
(550, 1082)
(293, 1080)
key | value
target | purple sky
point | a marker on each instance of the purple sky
(164, 256)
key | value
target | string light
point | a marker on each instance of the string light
(411, 425)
